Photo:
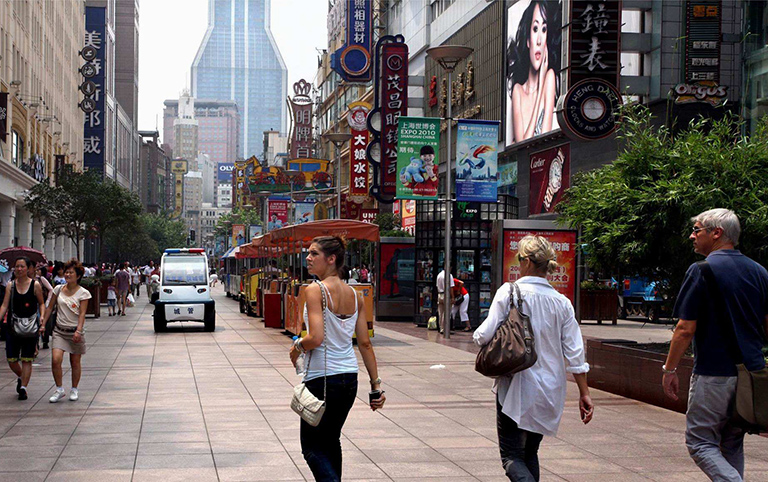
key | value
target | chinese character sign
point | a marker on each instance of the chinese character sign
(94, 72)
(533, 68)
(238, 234)
(417, 163)
(595, 33)
(550, 174)
(564, 244)
(702, 41)
(278, 214)
(394, 104)
(359, 169)
(301, 110)
(353, 60)
(477, 160)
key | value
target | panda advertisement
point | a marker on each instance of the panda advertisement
(418, 142)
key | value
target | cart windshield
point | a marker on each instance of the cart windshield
(184, 270)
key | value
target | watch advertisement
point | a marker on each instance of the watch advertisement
(550, 176)
(564, 244)
(477, 161)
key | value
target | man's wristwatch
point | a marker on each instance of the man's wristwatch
(664, 369)
(376, 382)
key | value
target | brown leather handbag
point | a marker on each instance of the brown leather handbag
(512, 348)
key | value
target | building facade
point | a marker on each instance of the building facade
(43, 125)
(239, 60)
(154, 170)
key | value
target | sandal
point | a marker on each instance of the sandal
(467, 329)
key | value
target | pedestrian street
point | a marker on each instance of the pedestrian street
(190, 405)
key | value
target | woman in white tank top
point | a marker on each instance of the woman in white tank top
(321, 445)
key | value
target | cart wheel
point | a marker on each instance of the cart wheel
(652, 314)
(210, 322)
(249, 309)
(160, 325)
(621, 312)
(242, 306)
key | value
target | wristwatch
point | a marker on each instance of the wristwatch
(664, 369)
(376, 382)
(555, 180)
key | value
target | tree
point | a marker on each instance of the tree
(634, 214)
(114, 209)
(165, 232)
(236, 216)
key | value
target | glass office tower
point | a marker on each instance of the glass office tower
(239, 60)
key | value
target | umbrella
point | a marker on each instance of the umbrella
(12, 254)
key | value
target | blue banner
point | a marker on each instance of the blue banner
(94, 138)
(477, 160)
(225, 172)
(353, 60)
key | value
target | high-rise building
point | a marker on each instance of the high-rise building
(154, 166)
(239, 60)
(218, 135)
(127, 56)
(185, 130)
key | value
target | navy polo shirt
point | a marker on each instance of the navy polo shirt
(744, 285)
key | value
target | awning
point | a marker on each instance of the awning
(288, 239)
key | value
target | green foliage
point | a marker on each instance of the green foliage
(236, 216)
(594, 285)
(635, 214)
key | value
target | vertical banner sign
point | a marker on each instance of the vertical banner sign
(418, 142)
(4, 116)
(301, 111)
(278, 214)
(178, 169)
(358, 162)
(353, 60)
(408, 216)
(394, 104)
(550, 177)
(254, 230)
(239, 185)
(595, 40)
(564, 244)
(94, 71)
(477, 161)
(238, 234)
(702, 41)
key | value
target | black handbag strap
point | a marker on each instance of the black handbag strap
(725, 321)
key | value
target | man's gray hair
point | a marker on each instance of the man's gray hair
(724, 219)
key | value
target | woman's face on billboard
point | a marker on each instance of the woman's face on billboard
(537, 39)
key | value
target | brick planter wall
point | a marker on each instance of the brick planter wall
(617, 367)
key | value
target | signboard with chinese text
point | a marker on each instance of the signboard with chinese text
(238, 234)
(94, 140)
(394, 104)
(703, 28)
(4, 116)
(550, 175)
(477, 160)
(564, 243)
(358, 162)
(595, 41)
(353, 60)
(418, 142)
(301, 113)
(277, 214)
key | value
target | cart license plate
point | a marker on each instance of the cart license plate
(184, 312)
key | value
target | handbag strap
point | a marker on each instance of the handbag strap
(717, 299)
(515, 291)
(325, 334)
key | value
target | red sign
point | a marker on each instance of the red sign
(358, 162)
(278, 214)
(394, 104)
(369, 215)
(550, 177)
(408, 216)
(564, 243)
(349, 210)
(301, 108)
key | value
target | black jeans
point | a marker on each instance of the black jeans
(321, 445)
(519, 449)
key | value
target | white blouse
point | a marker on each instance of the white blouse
(534, 398)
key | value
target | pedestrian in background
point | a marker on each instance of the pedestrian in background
(111, 298)
(36, 273)
(123, 284)
(440, 282)
(460, 303)
(332, 360)
(148, 275)
(714, 442)
(71, 300)
(58, 274)
(530, 404)
(23, 299)
(135, 280)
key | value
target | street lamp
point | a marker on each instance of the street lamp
(264, 196)
(338, 139)
(448, 56)
(291, 173)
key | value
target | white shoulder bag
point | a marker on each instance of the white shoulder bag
(308, 406)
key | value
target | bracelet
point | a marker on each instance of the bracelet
(376, 382)
(666, 371)
(299, 347)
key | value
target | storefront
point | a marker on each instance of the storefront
(471, 254)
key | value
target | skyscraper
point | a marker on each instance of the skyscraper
(239, 60)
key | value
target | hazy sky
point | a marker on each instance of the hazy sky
(170, 32)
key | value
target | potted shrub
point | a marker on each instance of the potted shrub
(93, 285)
(598, 301)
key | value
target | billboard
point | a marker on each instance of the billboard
(278, 214)
(224, 173)
(238, 234)
(303, 213)
(533, 46)
(418, 142)
(549, 179)
(94, 72)
(253, 231)
(564, 243)
(476, 160)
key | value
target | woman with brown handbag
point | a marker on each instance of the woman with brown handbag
(530, 404)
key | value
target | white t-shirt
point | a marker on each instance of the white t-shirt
(69, 306)
(135, 276)
(148, 272)
(441, 282)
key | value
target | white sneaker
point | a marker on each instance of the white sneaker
(73, 395)
(57, 395)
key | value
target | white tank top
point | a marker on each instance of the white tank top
(338, 342)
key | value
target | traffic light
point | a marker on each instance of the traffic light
(192, 235)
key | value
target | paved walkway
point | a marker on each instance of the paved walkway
(190, 405)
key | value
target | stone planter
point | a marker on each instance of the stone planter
(94, 305)
(598, 305)
(617, 367)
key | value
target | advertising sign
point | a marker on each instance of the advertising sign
(418, 142)
(564, 243)
(278, 214)
(595, 41)
(394, 104)
(703, 32)
(550, 177)
(94, 71)
(253, 231)
(301, 113)
(238, 234)
(408, 216)
(369, 215)
(303, 212)
(508, 179)
(477, 160)
(353, 60)
(358, 162)
(398, 269)
(4, 116)
(224, 173)
(533, 48)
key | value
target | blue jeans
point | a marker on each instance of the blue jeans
(321, 445)
(519, 449)
(715, 444)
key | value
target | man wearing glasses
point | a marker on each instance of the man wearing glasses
(741, 288)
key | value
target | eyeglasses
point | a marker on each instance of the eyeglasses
(521, 257)
(695, 230)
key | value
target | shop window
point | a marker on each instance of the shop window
(17, 148)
